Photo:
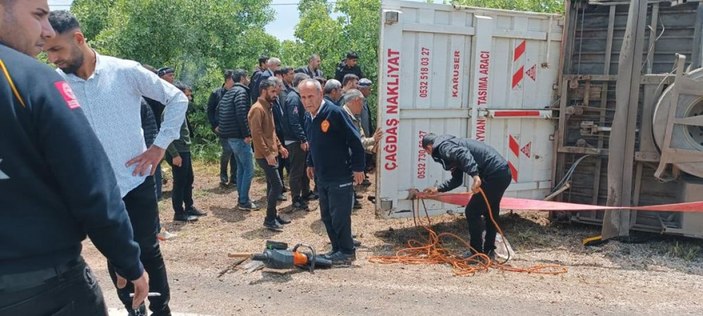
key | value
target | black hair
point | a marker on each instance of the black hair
(263, 59)
(428, 140)
(352, 55)
(182, 86)
(268, 83)
(238, 75)
(228, 74)
(349, 77)
(63, 21)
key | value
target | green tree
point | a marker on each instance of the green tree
(198, 38)
(547, 6)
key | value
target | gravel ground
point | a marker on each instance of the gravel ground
(658, 276)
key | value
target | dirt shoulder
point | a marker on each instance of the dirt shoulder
(650, 278)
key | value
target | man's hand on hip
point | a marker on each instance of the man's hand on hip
(149, 159)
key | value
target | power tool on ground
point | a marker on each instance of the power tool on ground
(277, 256)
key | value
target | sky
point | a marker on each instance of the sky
(282, 28)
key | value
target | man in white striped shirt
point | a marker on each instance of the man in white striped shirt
(110, 91)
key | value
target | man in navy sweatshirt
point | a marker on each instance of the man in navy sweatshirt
(56, 185)
(337, 160)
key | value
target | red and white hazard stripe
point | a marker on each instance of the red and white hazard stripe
(513, 156)
(519, 63)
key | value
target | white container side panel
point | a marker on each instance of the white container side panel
(436, 63)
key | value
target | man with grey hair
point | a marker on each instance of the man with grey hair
(272, 65)
(336, 160)
(367, 123)
(333, 91)
(313, 68)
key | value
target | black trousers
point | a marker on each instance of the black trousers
(494, 186)
(299, 182)
(227, 158)
(182, 195)
(274, 186)
(336, 201)
(143, 210)
(74, 291)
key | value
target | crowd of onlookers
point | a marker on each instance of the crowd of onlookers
(229, 114)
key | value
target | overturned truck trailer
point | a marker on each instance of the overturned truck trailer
(601, 75)
(543, 90)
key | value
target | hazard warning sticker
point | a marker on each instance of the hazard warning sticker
(67, 94)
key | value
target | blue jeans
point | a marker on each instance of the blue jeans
(336, 200)
(245, 167)
(227, 158)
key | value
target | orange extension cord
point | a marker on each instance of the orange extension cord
(431, 251)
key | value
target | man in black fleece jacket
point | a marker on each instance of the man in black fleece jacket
(337, 160)
(56, 184)
(489, 171)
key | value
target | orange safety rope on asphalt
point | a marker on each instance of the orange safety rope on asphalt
(431, 251)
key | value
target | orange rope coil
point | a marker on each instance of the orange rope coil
(431, 251)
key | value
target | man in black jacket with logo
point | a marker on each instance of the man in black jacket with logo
(232, 114)
(488, 170)
(296, 143)
(337, 161)
(56, 184)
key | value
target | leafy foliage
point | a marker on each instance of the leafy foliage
(198, 38)
(546, 6)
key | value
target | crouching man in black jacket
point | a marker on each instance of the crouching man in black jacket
(489, 171)
(56, 184)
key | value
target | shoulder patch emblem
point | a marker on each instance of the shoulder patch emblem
(325, 126)
(67, 94)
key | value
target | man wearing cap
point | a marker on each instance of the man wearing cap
(110, 91)
(56, 185)
(367, 122)
(348, 66)
(489, 171)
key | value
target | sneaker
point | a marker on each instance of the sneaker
(195, 212)
(281, 220)
(300, 204)
(184, 217)
(165, 235)
(357, 205)
(341, 259)
(311, 196)
(248, 206)
(274, 226)
(223, 184)
(282, 197)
